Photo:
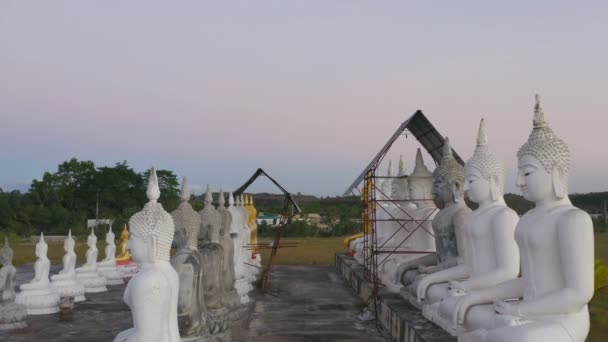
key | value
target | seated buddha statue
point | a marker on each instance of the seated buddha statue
(491, 256)
(92, 280)
(212, 254)
(107, 266)
(416, 216)
(448, 181)
(187, 262)
(152, 293)
(123, 254)
(65, 282)
(253, 228)
(226, 240)
(250, 268)
(241, 283)
(548, 302)
(13, 314)
(37, 295)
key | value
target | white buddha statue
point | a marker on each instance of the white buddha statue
(65, 282)
(107, 266)
(212, 254)
(555, 239)
(415, 240)
(87, 274)
(250, 269)
(491, 255)
(12, 315)
(37, 295)
(229, 276)
(448, 181)
(187, 262)
(241, 283)
(152, 293)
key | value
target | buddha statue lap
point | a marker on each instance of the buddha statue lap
(152, 293)
(233, 301)
(491, 255)
(12, 315)
(448, 179)
(241, 283)
(65, 282)
(87, 274)
(415, 239)
(187, 262)
(126, 266)
(548, 302)
(212, 254)
(37, 296)
(107, 266)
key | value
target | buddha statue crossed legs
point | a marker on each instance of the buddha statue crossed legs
(555, 239)
(152, 294)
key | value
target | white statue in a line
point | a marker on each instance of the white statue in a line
(65, 282)
(152, 293)
(549, 301)
(107, 267)
(92, 280)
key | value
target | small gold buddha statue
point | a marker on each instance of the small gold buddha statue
(253, 223)
(124, 254)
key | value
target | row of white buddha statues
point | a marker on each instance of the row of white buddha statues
(491, 275)
(194, 295)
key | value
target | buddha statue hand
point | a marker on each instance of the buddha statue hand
(507, 308)
(458, 286)
(426, 269)
(462, 306)
(423, 285)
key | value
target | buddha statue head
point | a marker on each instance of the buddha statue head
(241, 200)
(230, 200)
(110, 237)
(484, 173)
(399, 188)
(385, 187)
(69, 243)
(448, 177)
(152, 228)
(543, 162)
(187, 221)
(420, 181)
(41, 247)
(92, 239)
(6, 254)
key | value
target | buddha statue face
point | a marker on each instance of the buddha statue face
(476, 186)
(110, 238)
(41, 249)
(92, 240)
(444, 191)
(141, 249)
(68, 245)
(420, 189)
(534, 181)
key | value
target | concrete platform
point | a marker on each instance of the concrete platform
(400, 320)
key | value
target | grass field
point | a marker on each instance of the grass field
(321, 251)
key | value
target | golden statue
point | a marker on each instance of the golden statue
(124, 255)
(369, 209)
(253, 224)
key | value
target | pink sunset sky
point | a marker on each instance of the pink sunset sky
(308, 90)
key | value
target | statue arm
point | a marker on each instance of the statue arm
(427, 260)
(575, 237)
(506, 252)
(456, 272)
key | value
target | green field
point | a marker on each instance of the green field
(321, 251)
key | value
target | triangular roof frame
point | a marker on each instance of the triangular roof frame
(426, 134)
(260, 172)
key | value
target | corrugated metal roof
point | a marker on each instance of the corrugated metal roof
(422, 129)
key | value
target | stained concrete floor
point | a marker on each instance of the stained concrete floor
(304, 303)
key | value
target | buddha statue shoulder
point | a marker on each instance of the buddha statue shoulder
(187, 262)
(12, 314)
(152, 293)
(448, 181)
(555, 240)
(123, 252)
(491, 255)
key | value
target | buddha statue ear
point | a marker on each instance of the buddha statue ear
(456, 191)
(151, 250)
(560, 182)
(494, 192)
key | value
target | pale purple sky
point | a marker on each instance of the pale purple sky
(309, 90)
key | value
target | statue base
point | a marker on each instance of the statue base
(12, 316)
(127, 268)
(69, 288)
(93, 282)
(242, 288)
(39, 302)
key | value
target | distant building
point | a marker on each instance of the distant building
(271, 220)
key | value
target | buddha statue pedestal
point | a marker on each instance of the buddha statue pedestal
(65, 282)
(12, 315)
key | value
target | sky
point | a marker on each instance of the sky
(308, 90)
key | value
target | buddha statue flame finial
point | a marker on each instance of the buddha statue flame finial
(208, 195)
(153, 191)
(486, 162)
(420, 170)
(41, 242)
(153, 222)
(545, 146)
(390, 168)
(221, 201)
(449, 168)
(402, 167)
(184, 194)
